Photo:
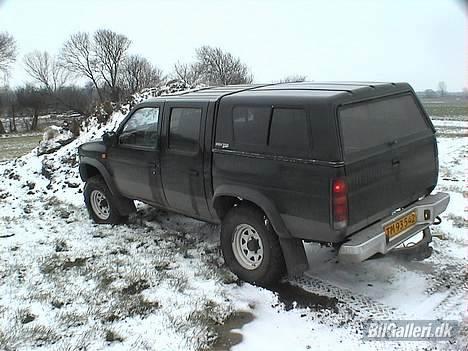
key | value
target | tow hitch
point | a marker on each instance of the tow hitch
(420, 250)
(416, 251)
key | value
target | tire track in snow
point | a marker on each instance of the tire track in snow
(360, 305)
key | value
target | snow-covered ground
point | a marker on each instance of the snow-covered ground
(159, 283)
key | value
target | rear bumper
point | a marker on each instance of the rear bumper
(372, 240)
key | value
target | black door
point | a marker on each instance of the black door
(182, 158)
(134, 161)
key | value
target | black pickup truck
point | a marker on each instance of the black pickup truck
(351, 164)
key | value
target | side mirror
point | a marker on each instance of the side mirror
(109, 138)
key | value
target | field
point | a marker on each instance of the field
(17, 145)
(159, 282)
(450, 108)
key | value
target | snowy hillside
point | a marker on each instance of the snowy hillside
(159, 282)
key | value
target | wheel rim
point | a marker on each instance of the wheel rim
(100, 205)
(247, 247)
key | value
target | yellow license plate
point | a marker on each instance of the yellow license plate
(400, 225)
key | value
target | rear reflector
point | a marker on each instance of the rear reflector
(340, 203)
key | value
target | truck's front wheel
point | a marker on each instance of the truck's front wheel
(100, 203)
(250, 246)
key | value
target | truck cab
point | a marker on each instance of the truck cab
(350, 164)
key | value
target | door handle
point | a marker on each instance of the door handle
(154, 167)
(395, 162)
(194, 172)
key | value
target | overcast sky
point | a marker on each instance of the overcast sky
(419, 41)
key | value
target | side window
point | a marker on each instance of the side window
(250, 125)
(142, 128)
(289, 132)
(184, 128)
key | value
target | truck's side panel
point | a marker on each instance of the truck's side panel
(299, 190)
(296, 183)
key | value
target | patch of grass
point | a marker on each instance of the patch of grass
(457, 221)
(17, 335)
(9, 340)
(178, 281)
(57, 304)
(221, 274)
(201, 326)
(112, 336)
(41, 335)
(136, 287)
(209, 314)
(72, 318)
(104, 277)
(52, 202)
(25, 316)
(76, 344)
(124, 306)
(56, 263)
(61, 245)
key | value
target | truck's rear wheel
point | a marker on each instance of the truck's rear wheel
(100, 203)
(250, 246)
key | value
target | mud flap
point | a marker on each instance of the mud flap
(124, 206)
(294, 256)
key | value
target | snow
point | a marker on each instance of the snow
(159, 282)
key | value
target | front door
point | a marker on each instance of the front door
(134, 161)
(182, 157)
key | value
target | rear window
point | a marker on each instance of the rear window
(374, 123)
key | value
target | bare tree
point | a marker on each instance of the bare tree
(8, 105)
(138, 73)
(75, 98)
(442, 88)
(293, 79)
(429, 93)
(190, 74)
(78, 57)
(221, 68)
(46, 70)
(111, 50)
(32, 98)
(7, 51)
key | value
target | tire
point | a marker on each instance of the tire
(250, 246)
(96, 192)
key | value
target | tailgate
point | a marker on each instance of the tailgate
(390, 156)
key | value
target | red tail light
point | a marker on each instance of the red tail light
(340, 203)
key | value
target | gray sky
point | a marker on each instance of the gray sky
(419, 41)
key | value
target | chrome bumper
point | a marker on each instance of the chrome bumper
(372, 239)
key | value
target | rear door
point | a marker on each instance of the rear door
(182, 157)
(390, 155)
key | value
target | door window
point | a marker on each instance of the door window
(184, 128)
(142, 128)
